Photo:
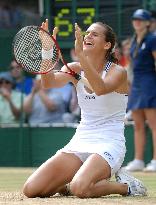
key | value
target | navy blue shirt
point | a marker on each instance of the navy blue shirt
(144, 62)
(143, 93)
(25, 86)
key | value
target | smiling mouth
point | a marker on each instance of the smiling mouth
(88, 44)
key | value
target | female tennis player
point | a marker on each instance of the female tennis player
(97, 149)
(142, 98)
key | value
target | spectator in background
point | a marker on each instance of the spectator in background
(22, 83)
(72, 110)
(66, 92)
(10, 16)
(72, 115)
(118, 53)
(10, 100)
(43, 106)
(126, 63)
(74, 107)
(4, 16)
(15, 16)
(153, 22)
(142, 98)
(125, 47)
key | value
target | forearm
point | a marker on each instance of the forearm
(16, 111)
(46, 101)
(28, 103)
(92, 75)
(47, 80)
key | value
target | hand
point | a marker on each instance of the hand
(5, 93)
(45, 25)
(78, 40)
(55, 31)
(46, 42)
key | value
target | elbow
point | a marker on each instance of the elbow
(46, 86)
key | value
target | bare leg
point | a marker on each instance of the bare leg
(151, 118)
(91, 180)
(139, 133)
(52, 175)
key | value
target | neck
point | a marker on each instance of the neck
(141, 34)
(98, 62)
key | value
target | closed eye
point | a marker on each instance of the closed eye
(91, 33)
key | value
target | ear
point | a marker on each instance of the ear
(107, 46)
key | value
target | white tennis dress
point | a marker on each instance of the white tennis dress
(101, 129)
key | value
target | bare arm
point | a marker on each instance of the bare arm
(58, 79)
(154, 55)
(7, 95)
(16, 111)
(49, 104)
(27, 105)
(116, 77)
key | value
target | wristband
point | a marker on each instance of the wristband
(47, 55)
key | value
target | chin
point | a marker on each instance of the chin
(88, 49)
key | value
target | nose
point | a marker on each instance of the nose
(88, 36)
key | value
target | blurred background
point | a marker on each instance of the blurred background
(15, 14)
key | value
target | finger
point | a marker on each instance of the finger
(55, 31)
(77, 28)
(46, 24)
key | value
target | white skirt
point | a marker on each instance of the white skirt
(105, 142)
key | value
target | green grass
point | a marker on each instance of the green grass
(12, 180)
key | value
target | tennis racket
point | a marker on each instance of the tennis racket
(38, 52)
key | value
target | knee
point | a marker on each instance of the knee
(28, 190)
(79, 189)
(139, 125)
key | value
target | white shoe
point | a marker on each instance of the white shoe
(135, 165)
(135, 186)
(150, 167)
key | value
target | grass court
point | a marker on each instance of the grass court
(12, 180)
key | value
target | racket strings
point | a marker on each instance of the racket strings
(49, 44)
(27, 49)
(28, 44)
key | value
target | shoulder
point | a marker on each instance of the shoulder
(151, 41)
(151, 37)
(118, 69)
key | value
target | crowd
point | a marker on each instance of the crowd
(10, 16)
(20, 92)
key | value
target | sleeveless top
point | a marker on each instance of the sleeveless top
(101, 122)
(97, 111)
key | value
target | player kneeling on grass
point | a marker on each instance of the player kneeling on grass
(97, 149)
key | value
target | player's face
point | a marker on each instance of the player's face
(94, 38)
(139, 25)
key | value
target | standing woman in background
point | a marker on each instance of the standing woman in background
(142, 98)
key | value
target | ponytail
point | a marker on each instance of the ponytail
(113, 58)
